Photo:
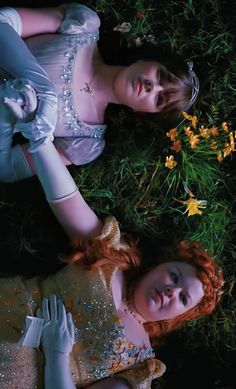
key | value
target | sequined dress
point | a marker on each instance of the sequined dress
(57, 54)
(101, 349)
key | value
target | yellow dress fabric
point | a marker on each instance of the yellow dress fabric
(101, 349)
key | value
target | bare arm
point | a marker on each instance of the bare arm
(37, 21)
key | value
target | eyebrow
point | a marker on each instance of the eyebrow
(181, 277)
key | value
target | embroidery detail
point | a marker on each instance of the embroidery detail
(72, 121)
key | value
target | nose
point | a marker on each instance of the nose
(151, 85)
(172, 291)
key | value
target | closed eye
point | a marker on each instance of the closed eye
(183, 299)
(160, 99)
(163, 76)
(174, 277)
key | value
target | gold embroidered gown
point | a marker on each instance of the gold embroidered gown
(101, 349)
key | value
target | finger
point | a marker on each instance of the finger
(53, 307)
(61, 312)
(45, 309)
(70, 326)
(39, 313)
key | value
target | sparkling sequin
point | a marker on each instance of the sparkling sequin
(72, 122)
(101, 348)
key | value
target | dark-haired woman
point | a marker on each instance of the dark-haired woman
(74, 85)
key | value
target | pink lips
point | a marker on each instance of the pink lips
(158, 297)
(139, 87)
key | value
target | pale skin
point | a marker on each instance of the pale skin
(180, 288)
(140, 86)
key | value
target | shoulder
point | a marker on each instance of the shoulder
(79, 18)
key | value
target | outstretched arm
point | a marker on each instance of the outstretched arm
(73, 213)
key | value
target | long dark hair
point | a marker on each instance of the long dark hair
(115, 51)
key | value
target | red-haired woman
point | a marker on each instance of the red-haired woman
(120, 301)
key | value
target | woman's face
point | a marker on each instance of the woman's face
(142, 86)
(167, 291)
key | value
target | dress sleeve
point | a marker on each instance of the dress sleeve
(79, 18)
(10, 16)
(142, 375)
(80, 150)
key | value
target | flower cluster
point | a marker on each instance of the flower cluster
(195, 149)
(221, 140)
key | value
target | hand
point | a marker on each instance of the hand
(20, 98)
(40, 130)
(58, 331)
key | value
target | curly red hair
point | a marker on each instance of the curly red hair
(96, 253)
(211, 276)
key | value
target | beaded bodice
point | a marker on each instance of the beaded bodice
(101, 349)
(57, 54)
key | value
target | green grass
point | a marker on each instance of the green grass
(130, 179)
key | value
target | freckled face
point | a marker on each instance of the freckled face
(142, 86)
(167, 291)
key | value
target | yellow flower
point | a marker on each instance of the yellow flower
(187, 116)
(193, 206)
(225, 127)
(188, 132)
(220, 156)
(194, 121)
(226, 150)
(194, 140)
(205, 132)
(177, 146)
(191, 118)
(170, 162)
(172, 134)
(214, 131)
(214, 145)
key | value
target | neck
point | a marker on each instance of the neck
(103, 83)
(133, 311)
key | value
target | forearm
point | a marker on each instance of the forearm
(37, 21)
(69, 207)
(57, 374)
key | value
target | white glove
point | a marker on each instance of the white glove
(19, 62)
(20, 98)
(58, 332)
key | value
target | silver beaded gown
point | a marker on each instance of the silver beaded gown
(57, 53)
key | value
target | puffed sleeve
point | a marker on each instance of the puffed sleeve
(10, 16)
(80, 150)
(141, 375)
(79, 18)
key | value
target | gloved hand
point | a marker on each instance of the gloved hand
(20, 98)
(58, 331)
(40, 130)
(18, 101)
(19, 62)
